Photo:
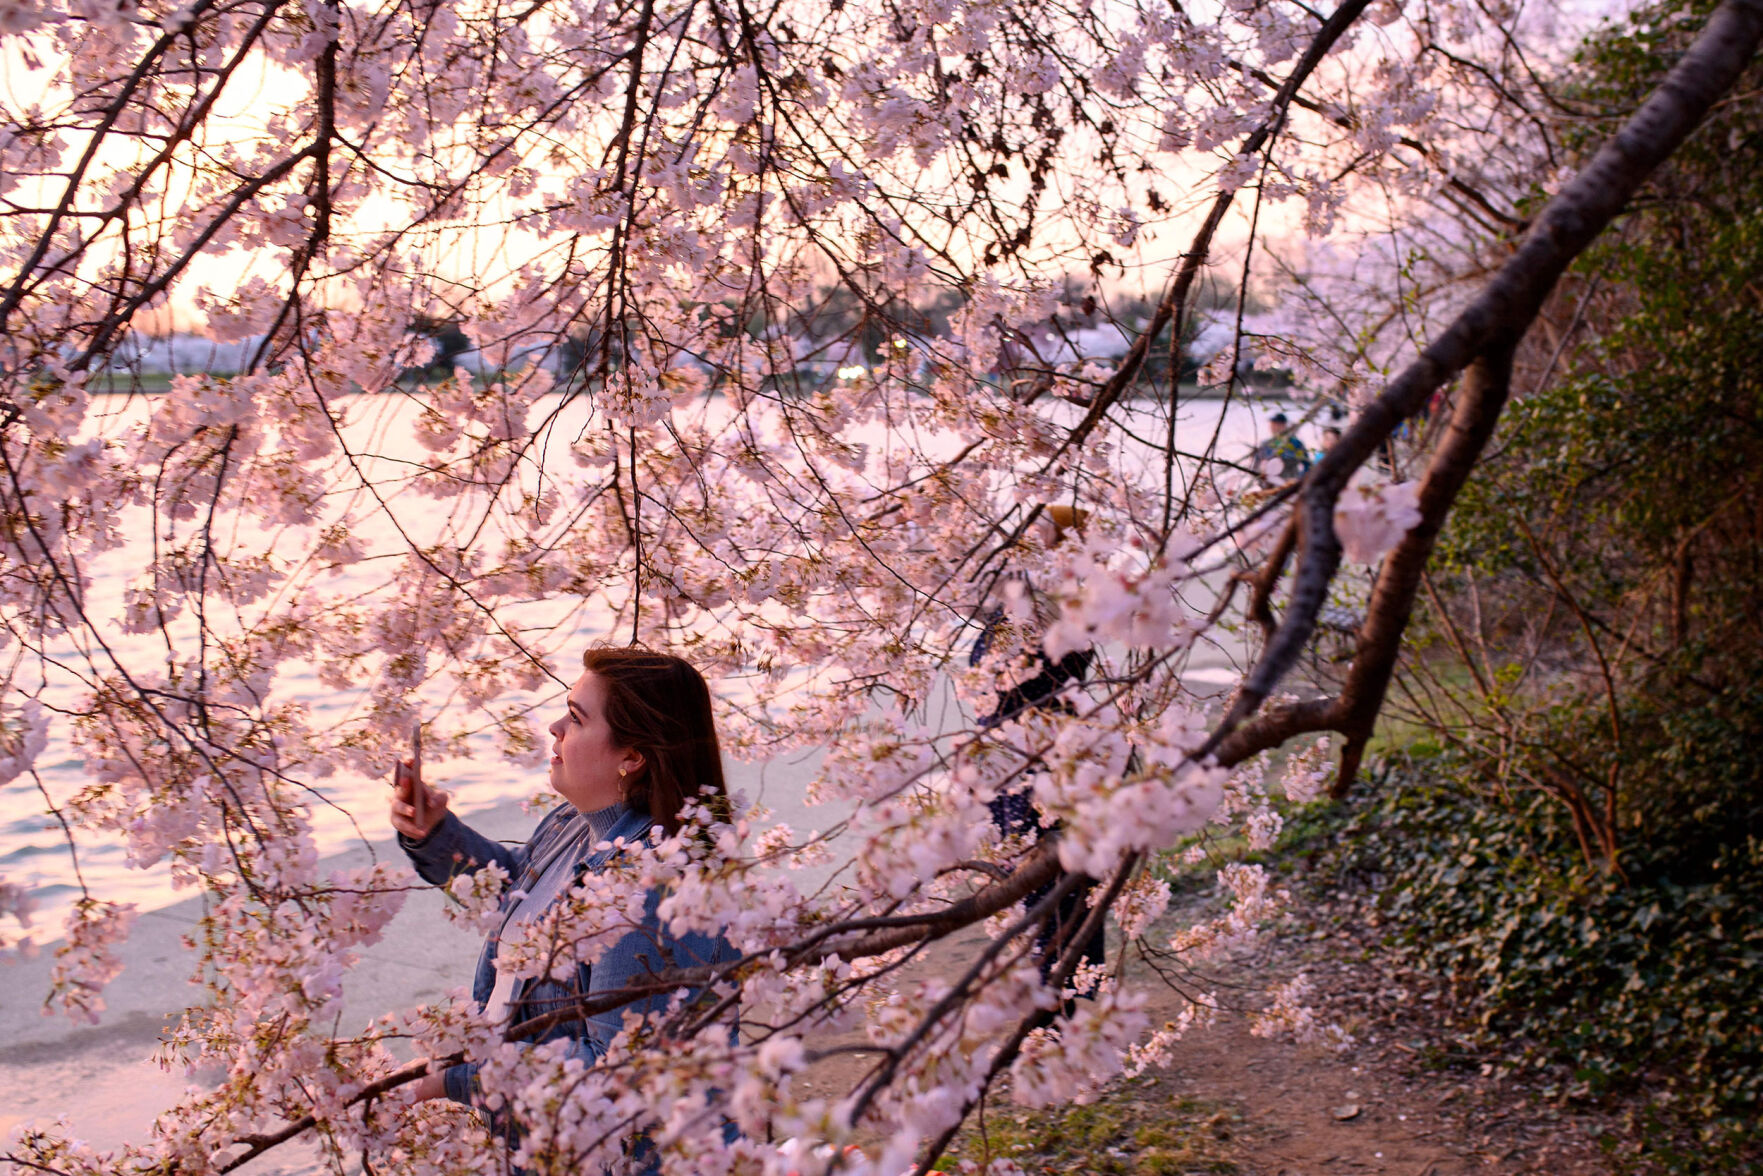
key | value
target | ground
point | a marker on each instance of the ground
(1404, 1100)
(1255, 1106)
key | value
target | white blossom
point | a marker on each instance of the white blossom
(1371, 517)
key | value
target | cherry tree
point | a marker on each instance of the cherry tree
(758, 300)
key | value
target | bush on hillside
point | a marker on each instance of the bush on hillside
(1649, 981)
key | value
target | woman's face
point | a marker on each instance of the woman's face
(585, 759)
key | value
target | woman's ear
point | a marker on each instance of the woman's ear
(631, 764)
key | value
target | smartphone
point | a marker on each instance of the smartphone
(417, 790)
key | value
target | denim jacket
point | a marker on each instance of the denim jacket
(454, 848)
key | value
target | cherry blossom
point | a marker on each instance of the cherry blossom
(1372, 516)
(758, 337)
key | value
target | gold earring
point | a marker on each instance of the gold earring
(621, 772)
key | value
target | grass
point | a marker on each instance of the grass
(1138, 1127)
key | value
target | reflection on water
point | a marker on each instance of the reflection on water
(33, 850)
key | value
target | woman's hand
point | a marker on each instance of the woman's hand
(431, 1085)
(407, 790)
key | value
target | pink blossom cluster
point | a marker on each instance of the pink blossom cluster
(1290, 1013)
(717, 330)
(1371, 517)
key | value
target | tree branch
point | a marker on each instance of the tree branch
(1175, 300)
(1476, 409)
(1493, 323)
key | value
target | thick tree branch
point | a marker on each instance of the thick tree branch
(1493, 323)
(1039, 867)
(1476, 409)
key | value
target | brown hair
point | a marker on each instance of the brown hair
(658, 706)
(1066, 520)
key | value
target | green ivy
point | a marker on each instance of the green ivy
(1621, 506)
(1650, 981)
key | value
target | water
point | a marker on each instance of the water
(33, 850)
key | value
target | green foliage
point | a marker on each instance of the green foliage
(1652, 981)
(1573, 831)
(1629, 468)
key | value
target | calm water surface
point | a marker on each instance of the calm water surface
(32, 848)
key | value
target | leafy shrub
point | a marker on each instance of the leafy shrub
(1577, 839)
(1651, 980)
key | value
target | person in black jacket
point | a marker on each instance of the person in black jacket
(1044, 687)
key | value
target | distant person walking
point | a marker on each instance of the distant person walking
(1282, 447)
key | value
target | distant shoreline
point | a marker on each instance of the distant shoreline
(159, 384)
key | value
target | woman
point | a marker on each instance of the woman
(635, 743)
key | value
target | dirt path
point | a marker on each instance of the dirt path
(1405, 1100)
(1398, 1102)
(1302, 1111)
(1388, 1104)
